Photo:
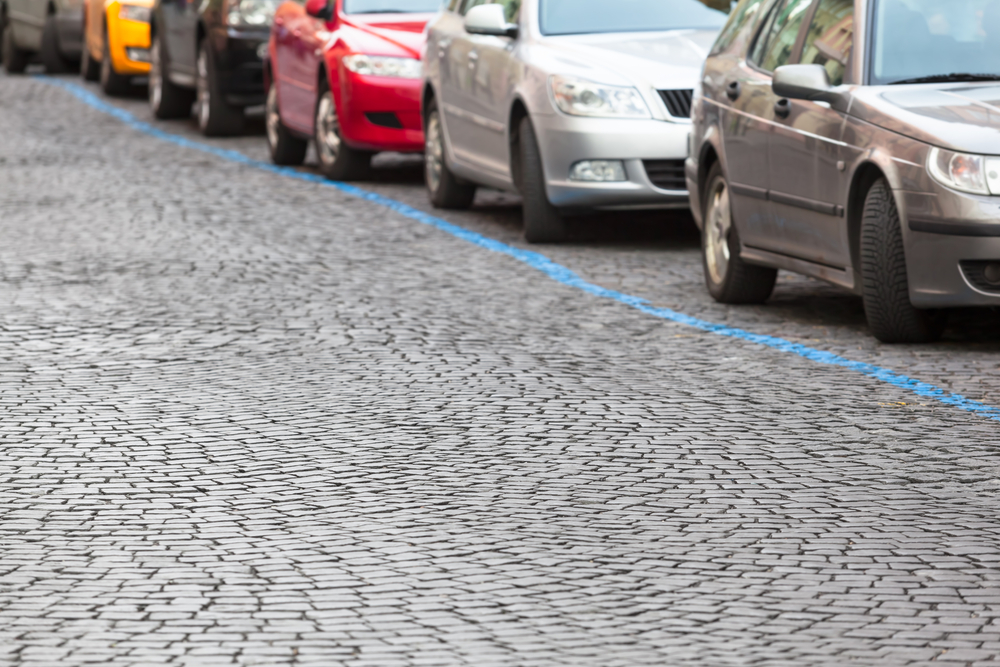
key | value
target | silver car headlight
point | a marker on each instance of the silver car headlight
(975, 174)
(585, 98)
(251, 12)
(399, 68)
(134, 13)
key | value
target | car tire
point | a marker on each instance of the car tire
(891, 315)
(286, 148)
(729, 279)
(166, 99)
(52, 57)
(542, 221)
(90, 69)
(15, 60)
(112, 83)
(337, 161)
(216, 118)
(445, 189)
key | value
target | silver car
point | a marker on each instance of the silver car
(576, 104)
(49, 29)
(855, 141)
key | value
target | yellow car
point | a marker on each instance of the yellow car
(115, 42)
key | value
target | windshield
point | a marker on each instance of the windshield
(574, 17)
(390, 6)
(915, 39)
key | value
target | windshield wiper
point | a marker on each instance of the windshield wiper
(946, 78)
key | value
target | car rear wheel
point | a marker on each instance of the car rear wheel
(729, 279)
(166, 99)
(286, 148)
(52, 57)
(337, 160)
(90, 69)
(112, 83)
(542, 221)
(15, 61)
(216, 118)
(886, 288)
(445, 190)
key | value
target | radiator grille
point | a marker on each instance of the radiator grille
(666, 174)
(678, 102)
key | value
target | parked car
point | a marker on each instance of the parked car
(47, 29)
(854, 141)
(576, 104)
(115, 42)
(347, 74)
(210, 53)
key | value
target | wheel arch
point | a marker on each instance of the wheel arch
(518, 112)
(426, 96)
(865, 175)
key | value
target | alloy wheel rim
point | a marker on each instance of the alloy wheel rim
(272, 116)
(718, 223)
(434, 152)
(155, 89)
(204, 93)
(327, 129)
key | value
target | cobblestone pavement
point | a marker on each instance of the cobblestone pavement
(250, 420)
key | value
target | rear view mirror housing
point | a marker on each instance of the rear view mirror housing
(489, 20)
(805, 82)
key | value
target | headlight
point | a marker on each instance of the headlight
(134, 13)
(968, 173)
(583, 98)
(251, 12)
(400, 68)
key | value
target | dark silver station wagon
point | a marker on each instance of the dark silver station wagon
(856, 141)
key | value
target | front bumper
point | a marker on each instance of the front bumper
(565, 140)
(949, 237)
(241, 68)
(69, 25)
(128, 38)
(367, 99)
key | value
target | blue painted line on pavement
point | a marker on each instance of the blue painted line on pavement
(555, 271)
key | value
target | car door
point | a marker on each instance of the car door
(806, 155)
(746, 111)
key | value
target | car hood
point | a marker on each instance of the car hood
(962, 117)
(403, 31)
(661, 60)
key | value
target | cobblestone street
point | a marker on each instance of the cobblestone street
(249, 419)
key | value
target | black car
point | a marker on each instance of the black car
(210, 53)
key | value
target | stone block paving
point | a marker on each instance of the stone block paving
(249, 420)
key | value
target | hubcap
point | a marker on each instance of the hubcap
(718, 222)
(327, 125)
(272, 116)
(155, 84)
(433, 152)
(204, 91)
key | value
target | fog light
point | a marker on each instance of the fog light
(137, 55)
(598, 170)
(992, 273)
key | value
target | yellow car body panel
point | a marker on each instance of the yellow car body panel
(122, 34)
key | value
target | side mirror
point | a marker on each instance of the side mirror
(320, 9)
(489, 20)
(804, 82)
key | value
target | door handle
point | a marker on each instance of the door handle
(734, 90)
(782, 108)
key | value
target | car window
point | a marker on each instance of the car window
(743, 15)
(510, 7)
(390, 6)
(774, 47)
(582, 17)
(830, 38)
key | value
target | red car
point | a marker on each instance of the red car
(346, 74)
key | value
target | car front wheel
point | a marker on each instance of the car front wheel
(112, 83)
(445, 190)
(166, 99)
(286, 148)
(542, 221)
(52, 57)
(15, 61)
(886, 288)
(729, 279)
(337, 160)
(90, 69)
(216, 118)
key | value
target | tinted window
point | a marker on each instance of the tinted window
(920, 38)
(390, 6)
(573, 17)
(739, 21)
(774, 47)
(830, 38)
(510, 7)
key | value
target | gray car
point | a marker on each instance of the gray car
(49, 29)
(853, 141)
(576, 104)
